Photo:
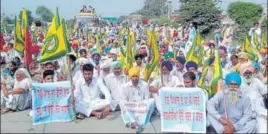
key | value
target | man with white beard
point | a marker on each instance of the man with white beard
(256, 90)
(180, 69)
(165, 79)
(105, 69)
(114, 82)
(229, 111)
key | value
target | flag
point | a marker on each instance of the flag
(201, 81)
(24, 21)
(18, 40)
(2, 41)
(256, 41)
(55, 46)
(54, 24)
(24, 18)
(264, 39)
(67, 43)
(28, 47)
(129, 55)
(250, 49)
(98, 43)
(217, 73)
(149, 68)
(196, 50)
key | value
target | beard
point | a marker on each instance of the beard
(165, 79)
(248, 80)
(233, 95)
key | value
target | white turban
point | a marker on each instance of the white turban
(105, 63)
(113, 51)
(83, 61)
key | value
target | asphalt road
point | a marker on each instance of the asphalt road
(20, 122)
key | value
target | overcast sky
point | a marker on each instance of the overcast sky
(68, 8)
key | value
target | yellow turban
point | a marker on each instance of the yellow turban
(263, 51)
(134, 71)
(166, 42)
(243, 55)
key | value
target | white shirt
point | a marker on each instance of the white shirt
(171, 81)
(90, 93)
(255, 91)
(114, 84)
(139, 93)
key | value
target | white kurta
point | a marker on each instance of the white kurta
(255, 91)
(87, 97)
(18, 101)
(114, 84)
(139, 93)
(171, 81)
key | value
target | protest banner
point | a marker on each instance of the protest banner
(183, 110)
(139, 112)
(51, 102)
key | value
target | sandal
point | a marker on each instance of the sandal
(5, 110)
(80, 116)
(100, 115)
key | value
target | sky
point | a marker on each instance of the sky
(105, 8)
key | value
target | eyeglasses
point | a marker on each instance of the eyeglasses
(247, 73)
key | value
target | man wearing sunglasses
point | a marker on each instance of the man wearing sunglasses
(229, 111)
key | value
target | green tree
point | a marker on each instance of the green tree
(245, 14)
(264, 25)
(205, 13)
(70, 23)
(154, 8)
(44, 13)
(7, 20)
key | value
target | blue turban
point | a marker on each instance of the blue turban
(82, 51)
(181, 59)
(190, 64)
(233, 77)
(168, 65)
(232, 48)
(256, 65)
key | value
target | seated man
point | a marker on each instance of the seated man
(229, 111)
(87, 95)
(136, 89)
(114, 82)
(166, 79)
(48, 76)
(256, 91)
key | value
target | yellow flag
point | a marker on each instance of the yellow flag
(217, 73)
(55, 46)
(196, 51)
(250, 49)
(18, 40)
(54, 24)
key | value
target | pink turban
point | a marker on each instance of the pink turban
(246, 67)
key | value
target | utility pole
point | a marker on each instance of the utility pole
(169, 9)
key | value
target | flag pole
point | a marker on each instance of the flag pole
(71, 81)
